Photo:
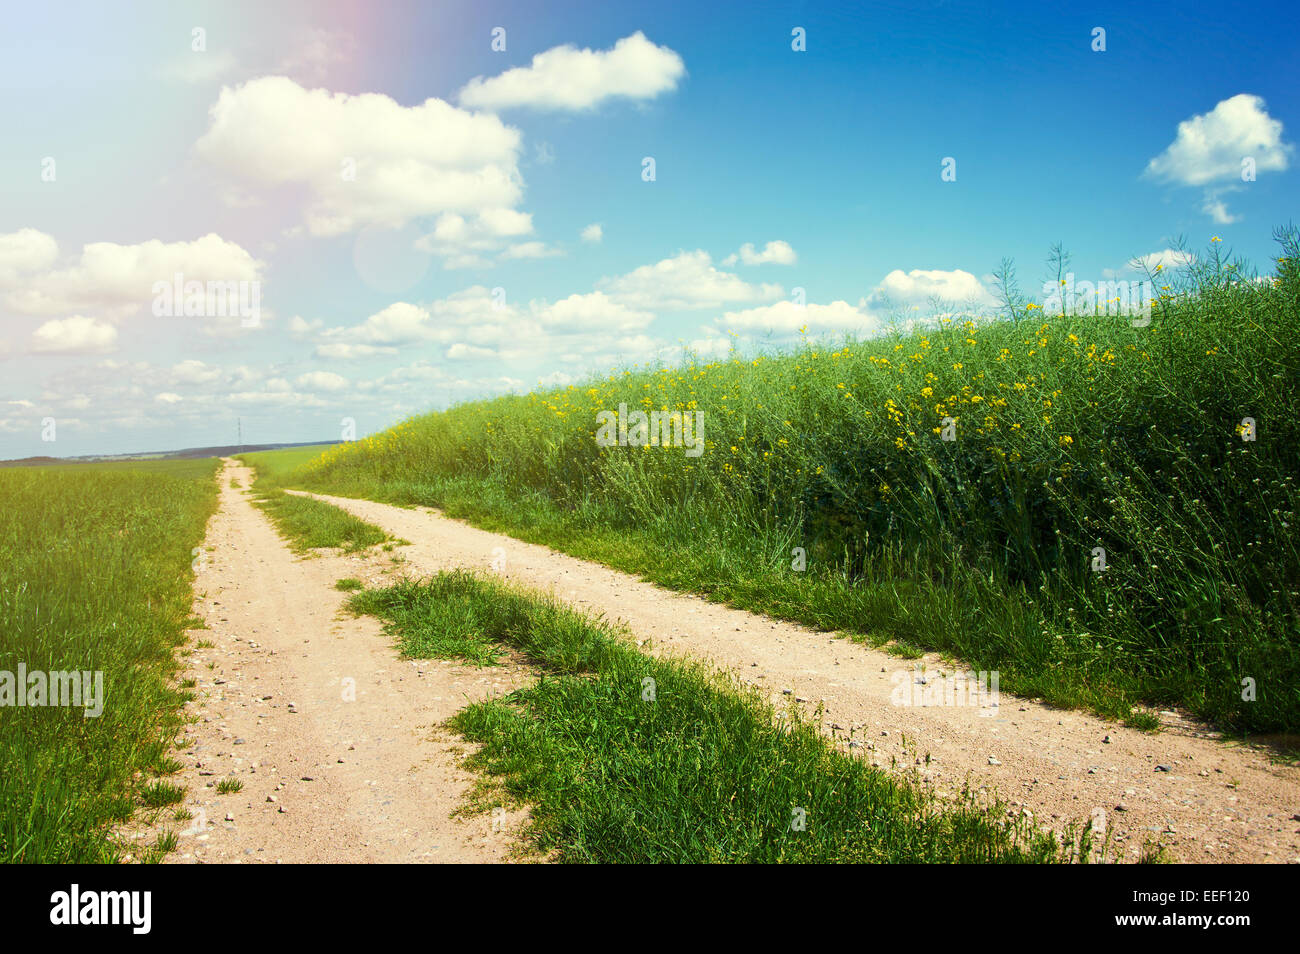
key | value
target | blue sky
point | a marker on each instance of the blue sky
(460, 259)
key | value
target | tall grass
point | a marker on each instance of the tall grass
(1072, 434)
(95, 570)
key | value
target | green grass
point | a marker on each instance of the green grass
(275, 467)
(306, 523)
(311, 524)
(1073, 433)
(349, 584)
(625, 758)
(161, 794)
(436, 619)
(228, 786)
(95, 571)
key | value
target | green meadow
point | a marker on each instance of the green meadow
(1110, 524)
(96, 564)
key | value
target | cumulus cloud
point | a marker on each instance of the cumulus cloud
(567, 78)
(463, 243)
(474, 324)
(594, 311)
(75, 335)
(117, 280)
(1166, 258)
(1210, 148)
(472, 316)
(774, 253)
(362, 160)
(321, 381)
(1217, 209)
(193, 371)
(24, 252)
(687, 280)
(593, 232)
(920, 288)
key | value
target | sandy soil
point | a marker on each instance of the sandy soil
(332, 734)
(1204, 799)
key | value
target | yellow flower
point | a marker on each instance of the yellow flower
(1066, 439)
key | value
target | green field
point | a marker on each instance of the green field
(623, 758)
(95, 575)
(1073, 436)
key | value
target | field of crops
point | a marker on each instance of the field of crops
(1100, 509)
(95, 572)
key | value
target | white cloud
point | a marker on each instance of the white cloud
(566, 77)
(471, 315)
(300, 327)
(593, 232)
(118, 280)
(75, 335)
(774, 253)
(168, 397)
(687, 280)
(785, 317)
(1209, 147)
(461, 352)
(530, 250)
(25, 251)
(321, 381)
(921, 287)
(1212, 148)
(594, 311)
(1217, 210)
(193, 371)
(459, 241)
(410, 161)
(1164, 259)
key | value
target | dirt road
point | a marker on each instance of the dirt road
(1205, 800)
(332, 735)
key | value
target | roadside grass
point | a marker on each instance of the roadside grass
(309, 524)
(435, 619)
(627, 758)
(95, 571)
(1099, 531)
(306, 523)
